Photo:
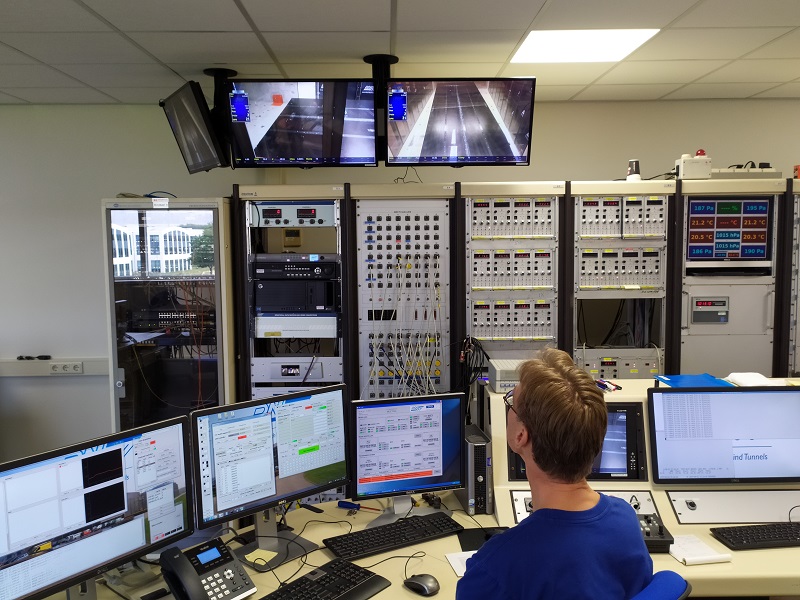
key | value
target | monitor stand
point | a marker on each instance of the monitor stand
(269, 537)
(401, 507)
(86, 590)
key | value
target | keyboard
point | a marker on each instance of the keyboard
(337, 580)
(402, 533)
(763, 535)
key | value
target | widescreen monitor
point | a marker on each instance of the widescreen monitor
(623, 456)
(322, 123)
(407, 445)
(70, 514)
(729, 233)
(190, 120)
(724, 434)
(459, 122)
(256, 455)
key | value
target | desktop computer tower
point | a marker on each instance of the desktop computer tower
(477, 495)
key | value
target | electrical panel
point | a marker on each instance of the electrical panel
(403, 278)
(620, 269)
(512, 265)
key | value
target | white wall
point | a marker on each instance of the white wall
(57, 162)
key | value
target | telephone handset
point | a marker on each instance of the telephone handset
(206, 572)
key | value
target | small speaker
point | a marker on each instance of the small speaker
(477, 496)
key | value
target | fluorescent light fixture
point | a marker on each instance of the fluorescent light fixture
(581, 45)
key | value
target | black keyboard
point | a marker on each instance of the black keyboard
(402, 533)
(336, 580)
(763, 535)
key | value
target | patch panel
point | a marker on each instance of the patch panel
(403, 275)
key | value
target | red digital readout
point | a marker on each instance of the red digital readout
(754, 236)
(729, 222)
(701, 237)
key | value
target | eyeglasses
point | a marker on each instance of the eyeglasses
(508, 399)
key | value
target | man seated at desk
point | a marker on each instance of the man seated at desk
(576, 543)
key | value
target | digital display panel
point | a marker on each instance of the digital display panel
(729, 232)
(459, 122)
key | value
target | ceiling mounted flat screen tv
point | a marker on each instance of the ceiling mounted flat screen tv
(459, 122)
(190, 119)
(323, 123)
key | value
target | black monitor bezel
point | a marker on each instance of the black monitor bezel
(636, 463)
(95, 572)
(235, 144)
(269, 504)
(352, 491)
(476, 163)
(193, 92)
(653, 450)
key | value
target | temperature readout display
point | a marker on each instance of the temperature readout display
(728, 229)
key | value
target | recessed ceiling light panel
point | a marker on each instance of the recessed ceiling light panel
(581, 45)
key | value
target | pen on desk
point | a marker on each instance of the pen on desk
(353, 506)
(611, 384)
(601, 384)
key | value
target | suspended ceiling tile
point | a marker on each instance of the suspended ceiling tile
(559, 74)
(47, 15)
(466, 15)
(785, 46)
(64, 96)
(653, 71)
(768, 70)
(681, 44)
(610, 14)
(555, 93)
(488, 46)
(319, 15)
(174, 15)
(330, 70)
(718, 90)
(139, 95)
(786, 90)
(742, 13)
(326, 47)
(9, 56)
(626, 92)
(212, 48)
(151, 75)
(75, 48)
(29, 76)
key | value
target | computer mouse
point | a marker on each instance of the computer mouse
(423, 584)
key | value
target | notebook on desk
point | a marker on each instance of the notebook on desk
(473, 539)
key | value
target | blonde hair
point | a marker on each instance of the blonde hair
(564, 412)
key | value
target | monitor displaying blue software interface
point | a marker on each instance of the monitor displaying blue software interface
(70, 514)
(725, 434)
(408, 445)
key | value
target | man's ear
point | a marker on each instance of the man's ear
(521, 439)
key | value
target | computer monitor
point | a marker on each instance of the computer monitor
(459, 122)
(321, 123)
(256, 455)
(70, 514)
(724, 434)
(190, 120)
(623, 454)
(405, 446)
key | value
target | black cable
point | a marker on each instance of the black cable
(790, 511)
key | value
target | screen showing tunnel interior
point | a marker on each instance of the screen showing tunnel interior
(302, 123)
(460, 122)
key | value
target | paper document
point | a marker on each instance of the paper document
(458, 560)
(691, 550)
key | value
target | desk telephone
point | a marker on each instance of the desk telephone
(206, 572)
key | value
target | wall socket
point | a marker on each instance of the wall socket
(66, 368)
